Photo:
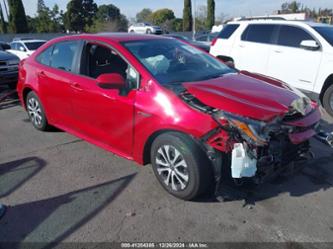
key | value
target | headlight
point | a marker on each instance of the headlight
(251, 128)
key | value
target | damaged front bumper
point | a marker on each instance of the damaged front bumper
(258, 150)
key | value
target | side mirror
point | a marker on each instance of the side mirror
(310, 45)
(111, 81)
(22, 49)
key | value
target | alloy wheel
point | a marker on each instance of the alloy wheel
(35, 111)
(172, 168)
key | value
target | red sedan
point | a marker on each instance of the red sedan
(160, 101)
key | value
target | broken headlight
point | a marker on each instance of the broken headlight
(250, 129)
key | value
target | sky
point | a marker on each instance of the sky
(231, 8)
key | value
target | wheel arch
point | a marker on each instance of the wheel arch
(328, 82)
(152, 137)
(25, 93)
(225, 58)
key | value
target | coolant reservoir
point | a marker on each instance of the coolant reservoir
(241, 164)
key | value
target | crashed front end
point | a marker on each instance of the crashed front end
(260, 150)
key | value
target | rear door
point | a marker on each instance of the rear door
(253, 49)
(291, 63)
(56, 74)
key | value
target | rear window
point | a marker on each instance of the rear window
(292, 36)
(228, 30)
(260, 33)
(33, 45)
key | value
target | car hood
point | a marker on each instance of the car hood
(246, 94)
(4, 55)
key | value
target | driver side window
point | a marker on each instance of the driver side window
(99, 59)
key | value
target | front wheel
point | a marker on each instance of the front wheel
(328, 100)
(36, 112)
(180, 165)
(148, 31)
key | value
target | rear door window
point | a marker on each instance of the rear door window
(292, 36)
(259, 33)
(228, 30)
(45, 56)
(63, 55)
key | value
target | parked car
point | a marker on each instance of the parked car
(206, 38)
(24, 48)
(8, 66)
(145, 28)
(161, 101)
(188, 40)
(298, 53)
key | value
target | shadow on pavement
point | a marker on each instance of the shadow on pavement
(8, 98)
(15, 173)
(52, 220)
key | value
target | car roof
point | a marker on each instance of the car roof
(275, 21)
(115, 37)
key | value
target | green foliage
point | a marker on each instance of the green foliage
(108, 13)
(144, 15)
(17, 18)
(290, 7)
(187, 16)
(108, 19)
(46, 20)
(210, 14)
(177, 25)
(80, 15)
(159, 17)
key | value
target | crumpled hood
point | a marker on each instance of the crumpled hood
(246, 94)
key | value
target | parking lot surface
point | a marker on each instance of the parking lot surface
(60, 188)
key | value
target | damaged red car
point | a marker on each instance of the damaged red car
(157, 100)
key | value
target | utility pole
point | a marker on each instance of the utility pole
(4, 3)
(194, 19)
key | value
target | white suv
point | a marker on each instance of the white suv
(24, 48)
(299, 53)
(144, 28)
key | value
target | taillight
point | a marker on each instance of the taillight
(214, 41)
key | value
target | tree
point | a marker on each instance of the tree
(187, 16)
(107, 13)
(3, 22)
(144, 15)
(159, 17)
(74, 17)
(210, 14)
(89, 11)
(17, 18)
(290, 7)
(177, 25)
(40, 6)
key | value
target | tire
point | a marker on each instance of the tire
(36, 112)
(148, 31)
(131, 31)
(328, 100)
(194, 167)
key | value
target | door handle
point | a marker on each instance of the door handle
(76, 86)
(241, 46)
(278, 51)
(42, 74)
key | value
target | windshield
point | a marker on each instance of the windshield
(33, 45)
(326, 32)
(172, 61)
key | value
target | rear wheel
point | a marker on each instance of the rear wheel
(36, 112)
(180, 165)
(328, 100)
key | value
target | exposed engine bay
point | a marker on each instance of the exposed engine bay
(259, 150)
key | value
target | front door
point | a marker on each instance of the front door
(105, 115)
